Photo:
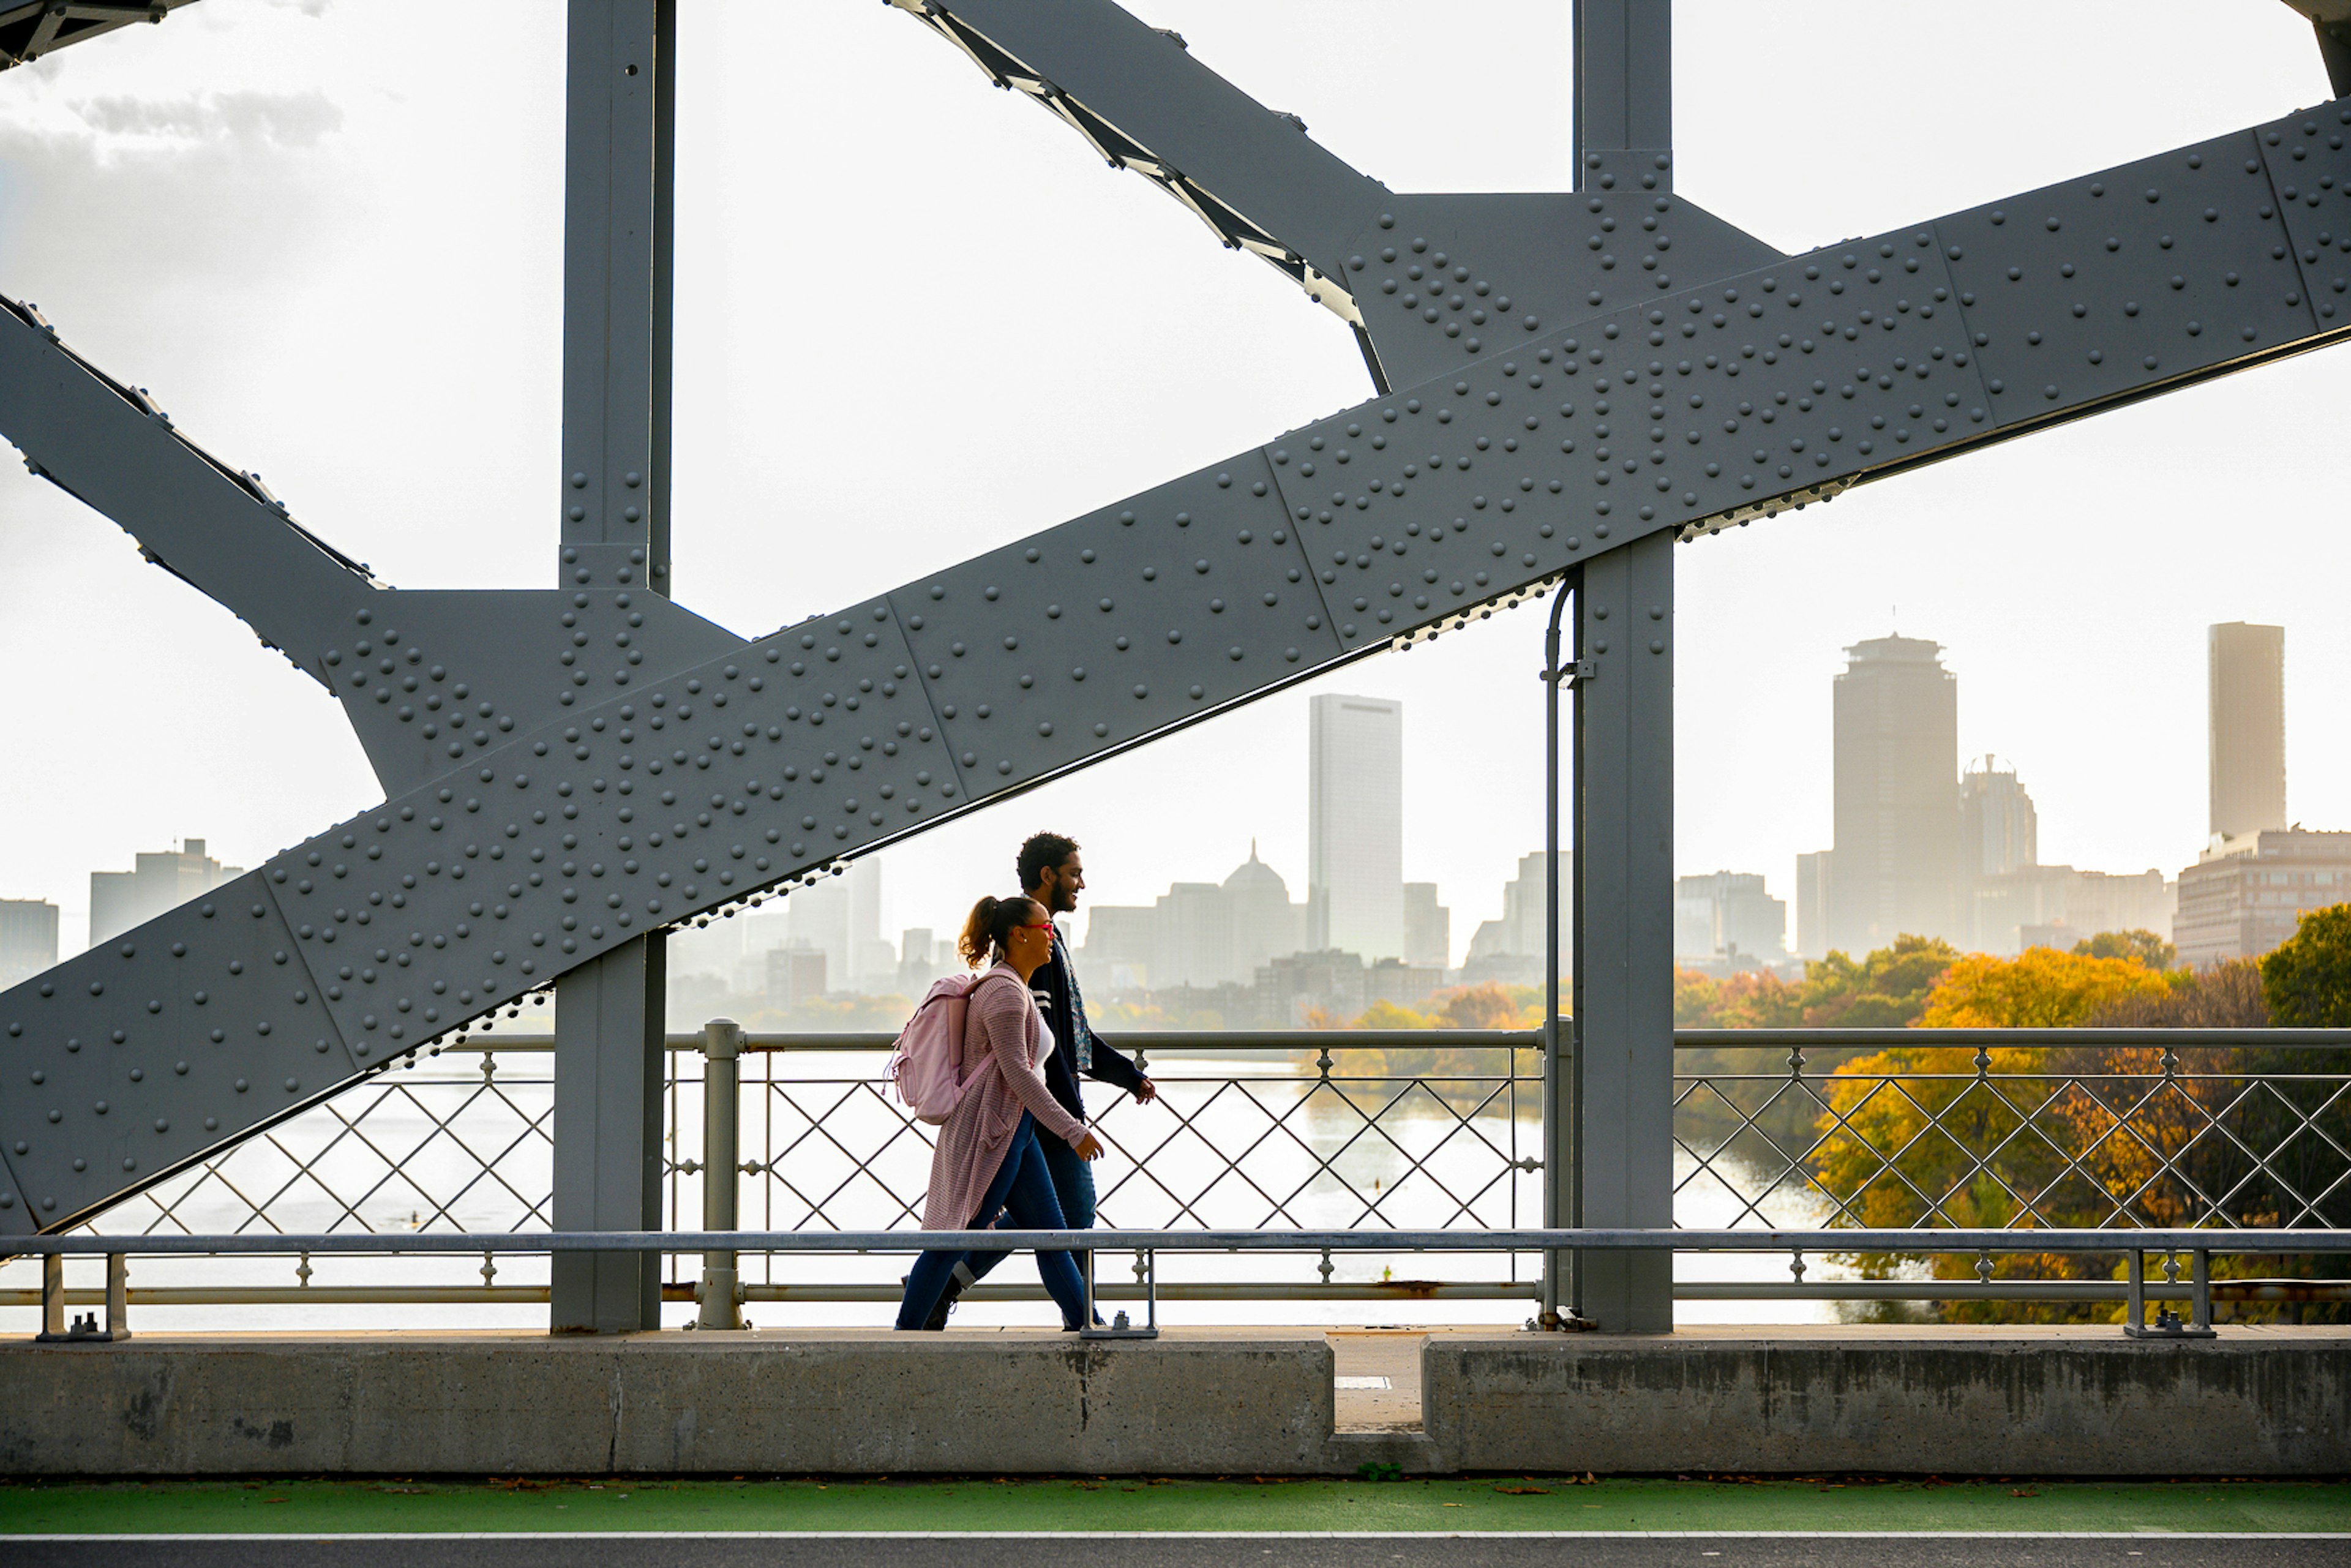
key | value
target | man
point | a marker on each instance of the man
(1052, 874)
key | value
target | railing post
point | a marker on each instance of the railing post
(117, 1296)
(720, 1291)
(53, 1296)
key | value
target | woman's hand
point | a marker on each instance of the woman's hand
(1089, 1147)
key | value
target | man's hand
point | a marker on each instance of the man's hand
(1145, 1093)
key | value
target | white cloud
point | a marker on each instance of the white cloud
(276, 118)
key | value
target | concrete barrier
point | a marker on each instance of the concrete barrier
(1945, 1400)
(1950, 1401)
(849, 1402)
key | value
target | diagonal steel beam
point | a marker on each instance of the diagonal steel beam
(426, 677)
(646, 800)
(30, 31)
(1262, 184)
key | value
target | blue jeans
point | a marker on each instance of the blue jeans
(1073, 1187)
(1023, 1188)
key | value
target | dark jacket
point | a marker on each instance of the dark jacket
(1050, 986)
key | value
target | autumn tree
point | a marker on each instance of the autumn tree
(2306, 979)
(1886, 989)
(2137, 943)
(1746, 1001)
(2039, 988)
(1923, 1135)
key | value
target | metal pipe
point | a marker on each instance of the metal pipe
(2041, 1039)
(1558, 1113)
(2282, 1242)
(1229, 1042)
(721, 1290)
(2253, 1291)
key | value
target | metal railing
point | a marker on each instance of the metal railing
(1359, 1132)
(2198, 1244)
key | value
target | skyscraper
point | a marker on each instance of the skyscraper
(29, 938)
(1812, 873)
(1355, 826)
(2245, 687)
(1999, 830)
(119, 900)
(840, 917)
(1428, 927)
(1511, 948)
(1897, 864)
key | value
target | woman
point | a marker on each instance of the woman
(988, 1158)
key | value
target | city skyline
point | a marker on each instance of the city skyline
(1898, 702)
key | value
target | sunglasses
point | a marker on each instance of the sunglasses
(1040, 926)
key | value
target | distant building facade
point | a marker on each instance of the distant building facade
(2244, 895)
(1729, 915)
(796, 973)
(2057, 906)
(29, 938)
(1999, 829)
(1354, 825)
(1298, 984)
(2245, 687)
(119, 900)
(1813, 872)
(1510, 950)
(922, 958)
(1896, 748)
(1198, 934)
(841, 916)
(1428, 927)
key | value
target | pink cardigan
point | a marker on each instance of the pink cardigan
(1005, 1042)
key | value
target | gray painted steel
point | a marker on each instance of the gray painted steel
(608, 1147)
(633, 767)
(1262, 183)
(1623, 1011)
(2298, 1243)
(620, 151)
(30, 31)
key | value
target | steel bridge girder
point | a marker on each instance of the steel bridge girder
(831, 737)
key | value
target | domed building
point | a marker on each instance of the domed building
(1265, 925)
(1200, 934)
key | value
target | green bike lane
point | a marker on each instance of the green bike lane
(1048, 1506)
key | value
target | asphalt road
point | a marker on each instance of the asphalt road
(1182, 1551)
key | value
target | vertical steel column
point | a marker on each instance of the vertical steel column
(721, 1053)
(619, 152)
(1620, 1081)
(1623, 87)
(608, 1144)
(1624, 923)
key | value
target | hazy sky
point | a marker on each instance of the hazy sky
(917, 317)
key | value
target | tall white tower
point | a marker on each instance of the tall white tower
(1355, 826)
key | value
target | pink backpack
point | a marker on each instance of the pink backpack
(927, 1064)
